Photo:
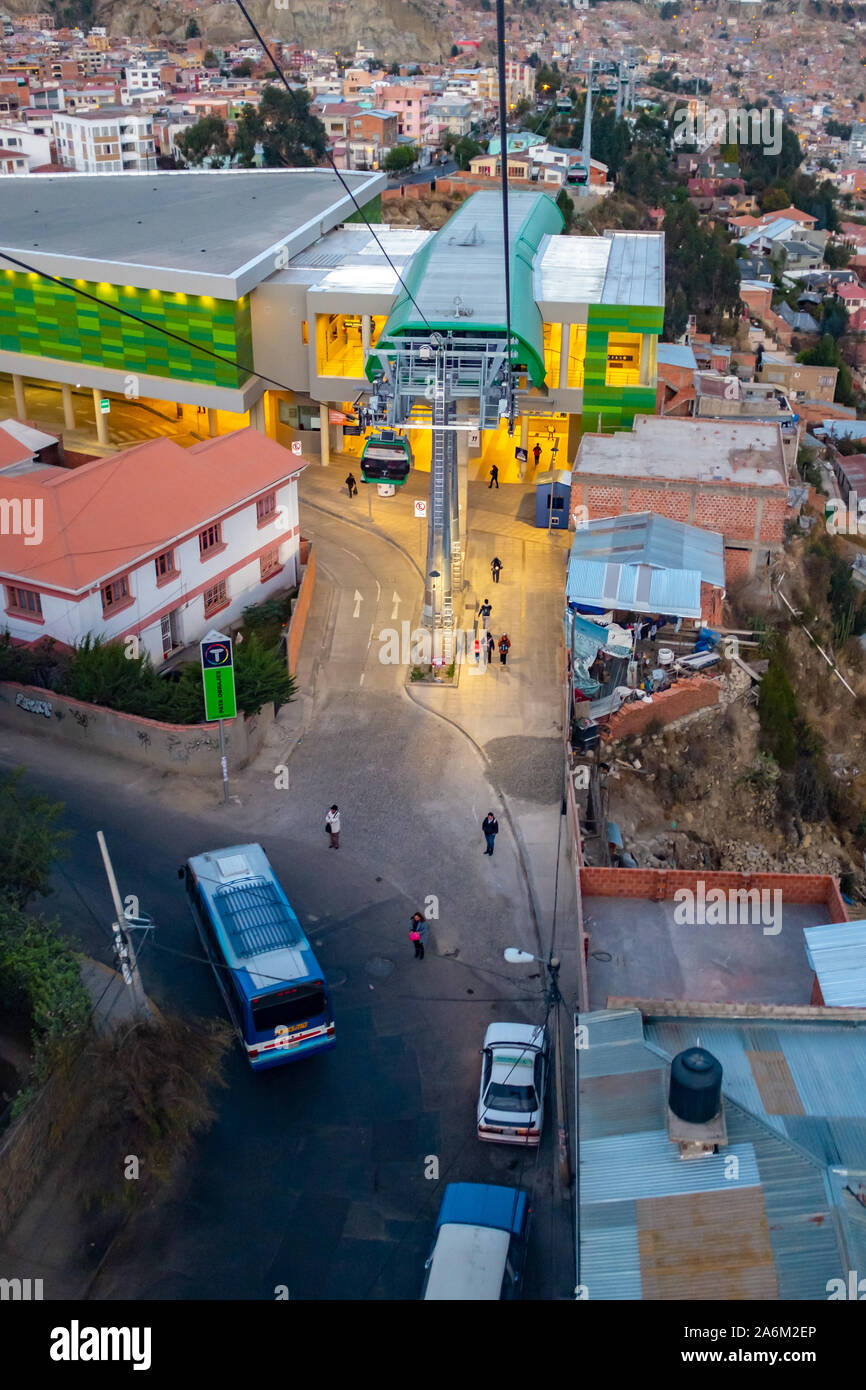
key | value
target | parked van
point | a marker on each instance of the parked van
(480, 1246)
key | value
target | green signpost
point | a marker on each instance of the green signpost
(105, 405)
(218, 680)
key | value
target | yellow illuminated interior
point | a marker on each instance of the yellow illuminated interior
(339, 343)
(552, 353)
(576, 355)
(623, 359)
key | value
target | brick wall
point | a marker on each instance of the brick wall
(737, 566)
(658, 885)
(687, 696)
(674, 505)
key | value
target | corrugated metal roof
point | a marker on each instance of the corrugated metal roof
(645, 563)
(653, 1225)
(636, 269)
(677, 355)
(837, 954)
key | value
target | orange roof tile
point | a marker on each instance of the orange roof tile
(104, 517)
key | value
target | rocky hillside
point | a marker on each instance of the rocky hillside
(400, 29)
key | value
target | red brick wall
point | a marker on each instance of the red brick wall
(693, 693)
(658, 885)
(737, 565)
(735, 517)
(674, 505)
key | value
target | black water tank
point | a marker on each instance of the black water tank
(696, 1085)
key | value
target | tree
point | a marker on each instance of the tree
(192, 30)
(290, 135)
(777, 712)
(400, 158)
(465, 149)
(210, 59)
(566, 207)
(455, 51)
(30, 842)
(205, 143)
(827, 354)
(244, 68)
(260, 676)
(774, 198)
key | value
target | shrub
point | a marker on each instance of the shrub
(777, 710)
(30, 842)
(40, 976)
(261, 676)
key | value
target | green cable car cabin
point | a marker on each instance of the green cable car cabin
(387, 458)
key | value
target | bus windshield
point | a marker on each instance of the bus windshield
(288, 1006)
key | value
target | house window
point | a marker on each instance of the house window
(270, 563)
(164, 566)
(265, 507)
(210, 538)
(24, 601)
(215, 597)
(114, 594)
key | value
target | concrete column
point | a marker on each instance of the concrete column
(564, 347)
(524, 443)
(257, 416)
(68, 406)
(366, 332)
(101, 420)
(324, 435)
(20, 399)
(211, 422)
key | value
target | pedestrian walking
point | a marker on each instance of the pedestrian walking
(476, 651)
(495, 567)
(504, 648)
(418, 933)
(332, 826)
(491, 648)
(494, 477)
(536, 454)
(490, 826)
(486, 610)
(351, 485)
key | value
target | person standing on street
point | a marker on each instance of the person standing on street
(495, 567)
(490, 826)
(536, 454)
(486, 610)
(491, 648)
(418, 933)
(351, 485)
(332, 825)
(494, 477)
(504, 648)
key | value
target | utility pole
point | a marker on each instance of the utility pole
(559, 1072)
(124, 951)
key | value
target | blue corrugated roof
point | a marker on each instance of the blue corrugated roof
(677, 355)
(644, 563)
(837, 954)
(774, 1221)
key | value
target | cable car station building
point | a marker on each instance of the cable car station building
(297, 308)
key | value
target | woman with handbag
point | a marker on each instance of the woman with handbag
(418, 933)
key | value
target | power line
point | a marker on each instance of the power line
(282, 76)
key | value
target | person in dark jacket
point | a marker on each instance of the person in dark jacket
(495, 567)
(491, 648)
(536, 454)
(490, 826)
(494, 477)
(351, 485)
(504, 648)
(485, 612)
(418, 933)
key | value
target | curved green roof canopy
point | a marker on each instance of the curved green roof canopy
(457, 279)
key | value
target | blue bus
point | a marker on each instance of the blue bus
(273, 986)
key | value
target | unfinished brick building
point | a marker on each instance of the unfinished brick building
(724, 476)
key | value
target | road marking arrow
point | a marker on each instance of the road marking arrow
(396, 600)
(358, 597)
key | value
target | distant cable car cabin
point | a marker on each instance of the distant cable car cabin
(387, 458)
(563, 103)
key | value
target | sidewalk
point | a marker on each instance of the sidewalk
(512, 713)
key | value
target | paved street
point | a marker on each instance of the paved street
(313, 1175)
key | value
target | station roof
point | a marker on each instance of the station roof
(457, 282)
(188, 232)
(618, 268)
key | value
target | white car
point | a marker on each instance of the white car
(513, 1080)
